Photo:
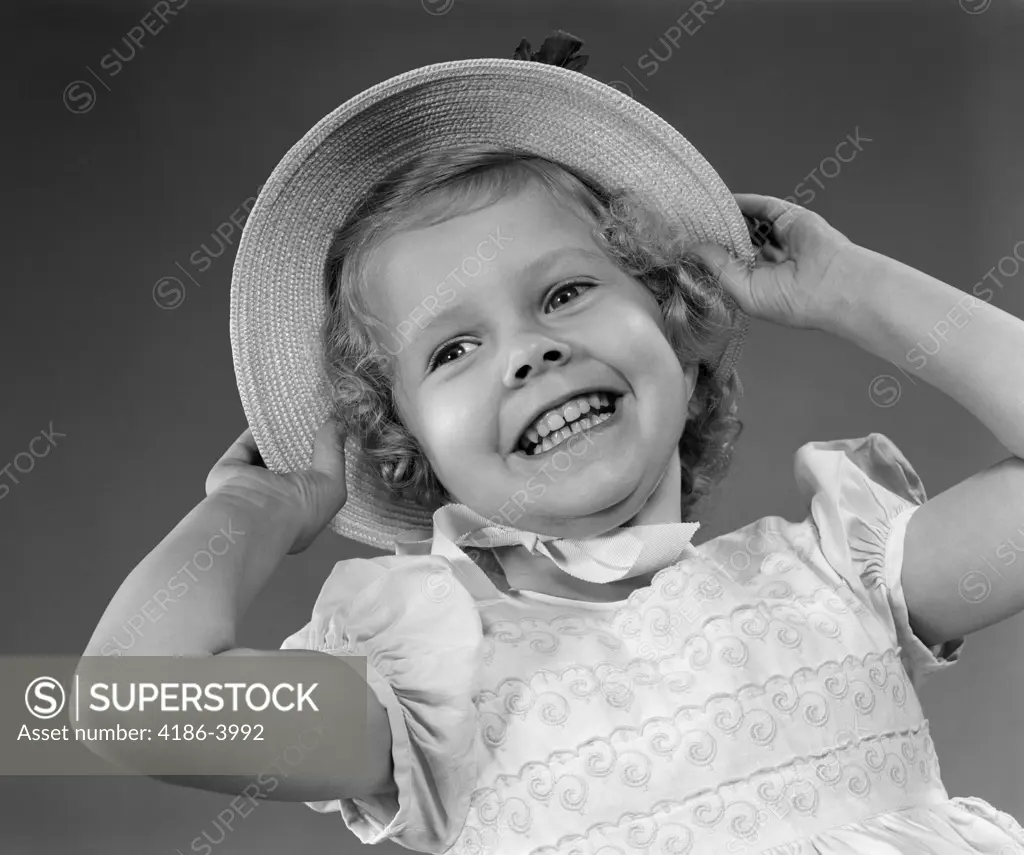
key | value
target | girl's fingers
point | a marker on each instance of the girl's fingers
(714, 256)
(732, 273)
(329, 450)
(242, 450)
(767, 208)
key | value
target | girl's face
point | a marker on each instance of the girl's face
(502, 315)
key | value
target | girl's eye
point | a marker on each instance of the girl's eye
(561, 295)
(441, 357)
(572, 290)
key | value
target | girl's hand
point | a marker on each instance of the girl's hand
(309, 499)
(800, 276)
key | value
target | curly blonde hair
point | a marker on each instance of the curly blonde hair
(438, 186)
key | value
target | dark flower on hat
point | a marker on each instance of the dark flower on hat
(558, 49)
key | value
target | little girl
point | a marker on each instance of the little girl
(521, 296)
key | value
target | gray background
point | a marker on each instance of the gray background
(99, 205)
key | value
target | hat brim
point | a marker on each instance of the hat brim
(278, 299)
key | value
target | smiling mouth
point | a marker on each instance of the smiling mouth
(597, 415)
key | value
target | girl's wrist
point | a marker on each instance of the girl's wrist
(849, 289)
(262, 530)
(272, 519)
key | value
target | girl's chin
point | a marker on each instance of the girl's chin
(573, 522)
(548, 500)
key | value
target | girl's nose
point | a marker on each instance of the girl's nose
(534, 355)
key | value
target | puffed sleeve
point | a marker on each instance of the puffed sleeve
(421, 634)
(862, 494)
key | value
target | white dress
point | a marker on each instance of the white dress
(758, 696)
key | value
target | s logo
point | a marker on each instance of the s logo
(45, 697)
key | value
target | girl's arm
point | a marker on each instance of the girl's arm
(962, 567)
(188, 595)
(198, 582)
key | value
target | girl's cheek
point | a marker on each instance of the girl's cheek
(632, 326)
(449, 421)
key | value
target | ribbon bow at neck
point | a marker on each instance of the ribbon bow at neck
(610, 557)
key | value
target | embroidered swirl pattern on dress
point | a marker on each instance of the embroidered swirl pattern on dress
(661, 624)
(551, 693)
(854, 717)
(746, 723)
(887, 770)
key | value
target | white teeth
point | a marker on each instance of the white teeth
(557, 419)
(556, 426)
(559, 436)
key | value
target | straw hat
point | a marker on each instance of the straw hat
(541, 106)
